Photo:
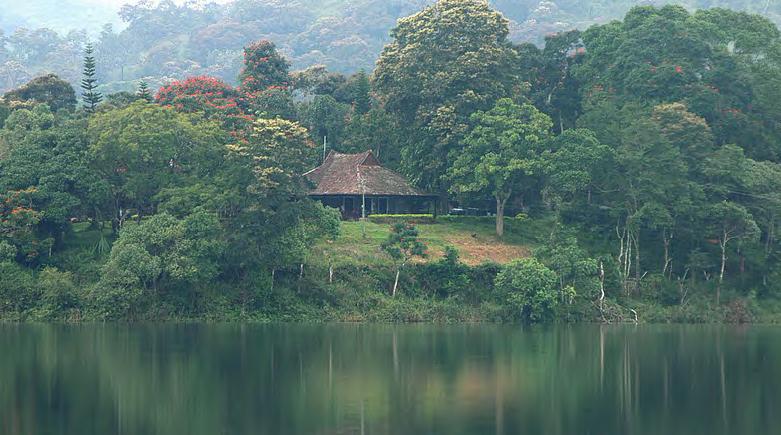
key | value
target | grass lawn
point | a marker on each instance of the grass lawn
(475, 240)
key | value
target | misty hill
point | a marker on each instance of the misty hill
(164, 40)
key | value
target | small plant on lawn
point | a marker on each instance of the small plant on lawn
(402, 246)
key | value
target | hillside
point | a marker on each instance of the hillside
(474, 238)
(171, 40)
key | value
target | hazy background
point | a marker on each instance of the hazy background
(163, 40)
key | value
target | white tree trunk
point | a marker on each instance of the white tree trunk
(723, 245)
(396, 282)
(500, 203)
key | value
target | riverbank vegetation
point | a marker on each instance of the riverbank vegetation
(632, 170)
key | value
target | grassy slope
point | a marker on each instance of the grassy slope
(475, 240)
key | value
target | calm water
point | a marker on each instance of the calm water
(354, 379)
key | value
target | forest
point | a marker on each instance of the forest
(638, 159)
(162, 40)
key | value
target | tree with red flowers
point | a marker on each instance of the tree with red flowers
(18, 221)
(208, 95)
(264, 68)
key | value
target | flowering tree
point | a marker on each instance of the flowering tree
(264, 68)
(208, 95)
(18, 221)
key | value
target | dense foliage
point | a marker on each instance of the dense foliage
(162, 40)
(649, 146)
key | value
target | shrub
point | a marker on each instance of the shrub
(58, 292)
(17, 289)
(528, 289)
(390, 219)
(118, 295)
(7, 252)
(446, 277)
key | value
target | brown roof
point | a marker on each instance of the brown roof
(350, 174)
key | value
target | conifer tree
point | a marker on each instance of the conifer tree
(90, 96)
(143, 91)
(362, 93)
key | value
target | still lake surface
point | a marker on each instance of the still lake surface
(387, 379)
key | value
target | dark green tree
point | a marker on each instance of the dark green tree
(444, 63)
(90, 96)
(49, 89)
(144, 92)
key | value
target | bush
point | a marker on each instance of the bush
(446, 277)
(117, 296)
(59, 293)
(528, 289)
(390, 219)
(7, 252)
(17, 289)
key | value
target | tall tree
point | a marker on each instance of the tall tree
(503, 152)
(144, 92)
(444, 63)
(730, 222)
(90, 96)
(264, 67)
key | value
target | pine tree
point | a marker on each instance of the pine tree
(143, 91)
(90, 95)
(362, 97)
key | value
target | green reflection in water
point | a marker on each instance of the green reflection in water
(383, 379)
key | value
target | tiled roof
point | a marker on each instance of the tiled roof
(356, 174)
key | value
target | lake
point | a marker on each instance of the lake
(386, 379)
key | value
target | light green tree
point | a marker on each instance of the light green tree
(528, 289)
(729, 222)
(502, 155)
(402, 246)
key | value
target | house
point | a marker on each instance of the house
(350, 181)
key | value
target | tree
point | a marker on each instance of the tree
(402, 246)
(574, 162)
(444, 63)
(729, 222)
(143, 148)
(554, 88)
(503, 151)
(49, 159)
(49, 89)
(211, 97)
(18, 221)
(90, 96)
(326, 118)
(529, 289)
(361, 93)
(262, 192)
(165, 253)
(144, 92)
(264, 68)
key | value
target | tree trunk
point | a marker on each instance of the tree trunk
(637, 259)
(396, 282)
(330, 274)
(667, 260)
(500, 203)
(723, 245)
(300, 276)
(444, 200)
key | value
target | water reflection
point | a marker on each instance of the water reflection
(363, 379)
